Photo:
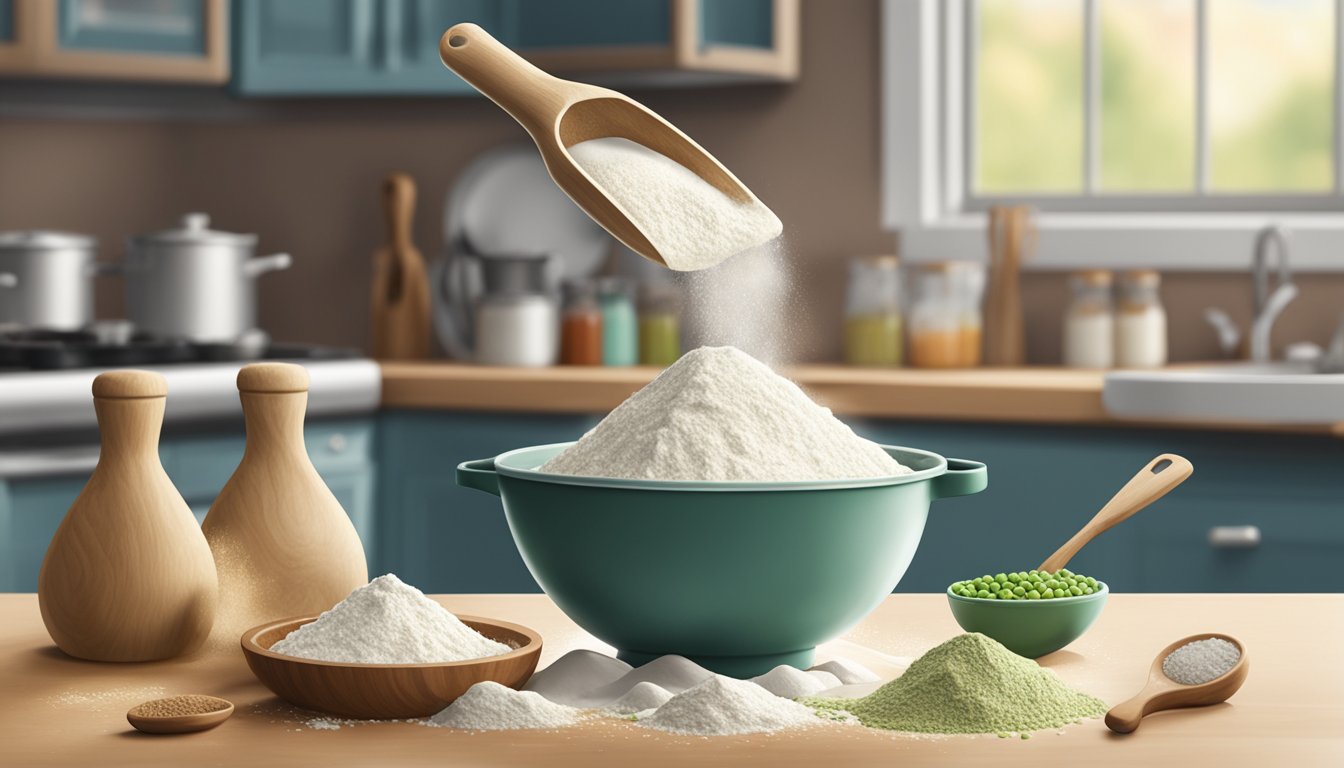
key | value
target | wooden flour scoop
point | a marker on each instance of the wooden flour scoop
(561, 113)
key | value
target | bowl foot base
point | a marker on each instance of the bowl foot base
(733, 666)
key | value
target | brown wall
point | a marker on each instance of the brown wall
(305, 174)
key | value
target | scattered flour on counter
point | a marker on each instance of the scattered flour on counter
(847, 672)
(722, 706)
(388, 622)
(792, 682)
(489, 706)
(644, 696)
(718, 414)
(323, 724)
(691, 223)
(1201, 661)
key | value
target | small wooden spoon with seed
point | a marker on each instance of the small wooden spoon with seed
(561, 113)
(143, 718)
(1162, 692)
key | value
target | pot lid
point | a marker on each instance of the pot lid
(43, 239)
(195, 230)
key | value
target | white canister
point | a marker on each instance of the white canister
(1140, 322)
(517, 331)
(1089, 321)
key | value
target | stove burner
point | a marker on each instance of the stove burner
(60, 350)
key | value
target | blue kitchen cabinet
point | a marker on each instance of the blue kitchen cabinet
(1045, 482)
(199, 465)
(131, 40)
(6, 21)
(349, 47)
(440, 537)
(390, 47)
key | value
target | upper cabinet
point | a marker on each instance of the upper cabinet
(160, 40)
(390, 47)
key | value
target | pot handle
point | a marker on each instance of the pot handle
(479, 474)
(263, 264)
(962, 478)
(8, 280)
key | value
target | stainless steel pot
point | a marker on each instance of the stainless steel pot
(194, 282)
(46, 279)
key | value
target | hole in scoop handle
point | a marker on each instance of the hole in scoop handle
(1157, 478)
(962, 478)
(480, 475)
(531, 96)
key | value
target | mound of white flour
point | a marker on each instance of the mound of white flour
(719, 414)
(691, 223)
(489, 706)
(388, 622)
(722, 706)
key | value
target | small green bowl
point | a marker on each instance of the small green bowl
(1030, 628)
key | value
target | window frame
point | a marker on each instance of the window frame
(925, 173)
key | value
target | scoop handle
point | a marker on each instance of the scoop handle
(534, 98)
(1154, 481)
(479, 475)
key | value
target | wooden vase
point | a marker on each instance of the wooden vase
(128, 575)
(283, 545)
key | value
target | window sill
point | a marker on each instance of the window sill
(1169, 242)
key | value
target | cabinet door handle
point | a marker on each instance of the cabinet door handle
(1234, 536)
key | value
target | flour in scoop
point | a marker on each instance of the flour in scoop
(388, 622)
(489, 706)
(691, 223)
(718, 414)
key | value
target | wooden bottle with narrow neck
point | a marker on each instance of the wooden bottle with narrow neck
(283, 545)
(128, 575)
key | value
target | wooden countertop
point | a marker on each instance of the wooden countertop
(1022, 395)
(58, 711)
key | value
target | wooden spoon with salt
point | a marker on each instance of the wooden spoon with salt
(561, 113)
(180, 714)
(1162, 692)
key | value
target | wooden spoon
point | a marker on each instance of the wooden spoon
(139, 716)
(561, 113)
(1162, 692)
(1152, 482)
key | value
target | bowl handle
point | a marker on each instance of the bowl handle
(962, 478)
(479, 474)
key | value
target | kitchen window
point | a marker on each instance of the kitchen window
(1183, 125)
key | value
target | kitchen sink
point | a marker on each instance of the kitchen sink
(1277, 393)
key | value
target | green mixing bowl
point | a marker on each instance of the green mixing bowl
(1030, 628)
(739, 577)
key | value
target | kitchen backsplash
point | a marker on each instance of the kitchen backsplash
(305, 176)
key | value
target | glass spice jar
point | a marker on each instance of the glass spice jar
(620, 324)
(1089, 321)
(659, 324)
(580, 325)
(873, 312)
(946, 325)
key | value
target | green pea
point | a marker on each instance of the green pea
(1047, 594)
(1033, 595)
(1001, 577)
(1065, 572)
(982, 594)
(1019, 590)
(1088, 590)
(1060, 593)
(1075, 591)
(1014, 578)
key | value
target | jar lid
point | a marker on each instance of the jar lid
(1142, 277)
(1097, 277)
(129, 383)
(44, 240)
(885, 260)
(273, 377)
(195, 230)
(950, 266)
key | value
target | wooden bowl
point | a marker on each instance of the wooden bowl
(386, 691)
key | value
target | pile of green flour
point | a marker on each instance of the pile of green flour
(969, 684)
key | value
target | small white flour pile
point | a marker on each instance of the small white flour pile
(489, 706)
(388, 622)
(691, 223)
(722, 706)
(719, 414)
(1201, 661)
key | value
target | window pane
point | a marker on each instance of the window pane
(1147, 129)
(1029, 96)
(1270, 99)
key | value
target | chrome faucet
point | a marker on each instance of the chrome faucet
(1268, 305)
